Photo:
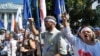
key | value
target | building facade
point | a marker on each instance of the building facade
(8, 13)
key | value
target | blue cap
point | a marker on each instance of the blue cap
(96, 28)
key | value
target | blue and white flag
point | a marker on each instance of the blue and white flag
(37, 18)
(27, 12)
(59, 9)
(19, 19)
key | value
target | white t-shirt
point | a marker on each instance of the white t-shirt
(81, 48)
(10, 47)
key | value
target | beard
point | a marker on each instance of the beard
(48, 28)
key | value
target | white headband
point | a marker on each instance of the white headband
(86, 29)
(51, 20)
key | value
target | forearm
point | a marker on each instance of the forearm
(34, 30)
(67, 33)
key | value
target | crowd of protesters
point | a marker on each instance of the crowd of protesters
(52, 42)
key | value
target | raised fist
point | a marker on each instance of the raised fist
(31, 20)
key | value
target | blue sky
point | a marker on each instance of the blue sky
(14, 1)
(21, 2)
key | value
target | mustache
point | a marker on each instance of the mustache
(48, 28)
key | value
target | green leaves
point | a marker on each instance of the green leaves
(78, 10)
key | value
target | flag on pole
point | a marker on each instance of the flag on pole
(37, 19)
(27, 12)
(59, 9)
(42, 14)
(19, 19)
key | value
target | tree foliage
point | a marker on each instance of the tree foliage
(80, 11)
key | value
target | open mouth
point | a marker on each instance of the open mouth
(86, 36)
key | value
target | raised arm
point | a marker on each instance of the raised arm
(34, 30)
(66, 31)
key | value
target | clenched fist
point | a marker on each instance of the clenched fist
(65, 20)
(31, 20)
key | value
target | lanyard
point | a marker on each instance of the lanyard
(50, 44)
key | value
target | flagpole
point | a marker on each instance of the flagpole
(38, 23)
(59, 9)
(27, 14)
(42, 10)
(36, 6)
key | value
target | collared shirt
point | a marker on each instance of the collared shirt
(53, 43)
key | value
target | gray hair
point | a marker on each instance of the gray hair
(12, 34)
